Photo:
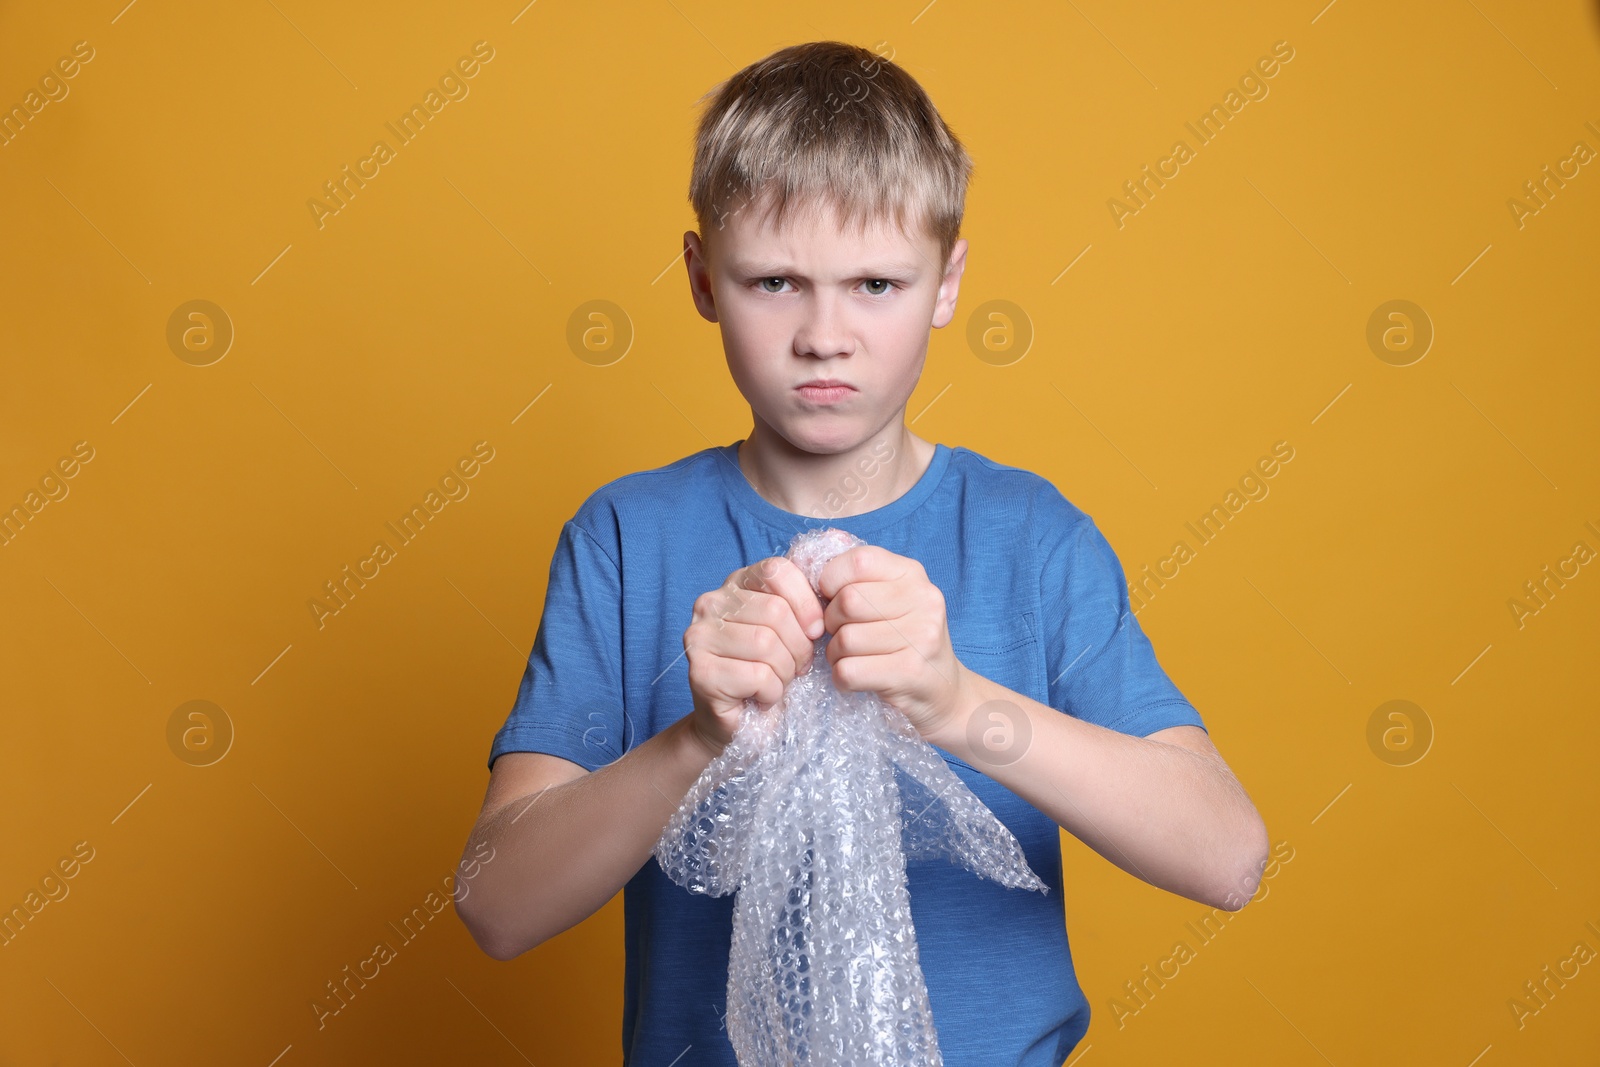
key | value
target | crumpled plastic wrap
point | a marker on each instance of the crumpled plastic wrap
(808, 815)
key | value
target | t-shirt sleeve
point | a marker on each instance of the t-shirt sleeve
(1102, 668)
(569, 703)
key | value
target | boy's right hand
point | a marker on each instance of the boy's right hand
(749, 639)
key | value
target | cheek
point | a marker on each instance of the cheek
(749, 347)
(756, 338)
(903, 342)
(907, 325)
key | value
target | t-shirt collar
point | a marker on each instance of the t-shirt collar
(743, 493)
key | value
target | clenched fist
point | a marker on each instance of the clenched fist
(749, 639)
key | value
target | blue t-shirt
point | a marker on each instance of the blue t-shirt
(1036, 600)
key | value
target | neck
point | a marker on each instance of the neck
(862, 478)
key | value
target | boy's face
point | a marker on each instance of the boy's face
(815, 301)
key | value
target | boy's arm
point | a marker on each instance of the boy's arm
(1165, 808)
(565, 840)
(1169, 811)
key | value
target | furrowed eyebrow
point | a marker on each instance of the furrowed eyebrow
(776, 270)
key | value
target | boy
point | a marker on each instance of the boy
(984, 606)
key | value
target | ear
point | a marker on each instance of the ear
(944, 309)
(699, 270)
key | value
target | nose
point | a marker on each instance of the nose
(824, 330)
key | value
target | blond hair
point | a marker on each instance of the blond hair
(829, 123)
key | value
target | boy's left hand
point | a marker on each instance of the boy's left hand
(890, 635)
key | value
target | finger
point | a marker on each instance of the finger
(761, 640)
(736, 678)
(867, 639)
(863, 563)
(777, 635)
(869, 674)
(763, 684)
(778, 576)
(868, 602)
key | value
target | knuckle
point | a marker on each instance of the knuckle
(732, 605)
(751, 579)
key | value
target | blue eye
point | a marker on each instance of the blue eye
(887, 286)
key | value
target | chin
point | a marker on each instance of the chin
(826, 442)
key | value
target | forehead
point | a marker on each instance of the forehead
(813, 235)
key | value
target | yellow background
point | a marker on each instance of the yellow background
(431, 312)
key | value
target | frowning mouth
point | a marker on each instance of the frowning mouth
(825, 390)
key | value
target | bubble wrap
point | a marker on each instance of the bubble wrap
(809, 815)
